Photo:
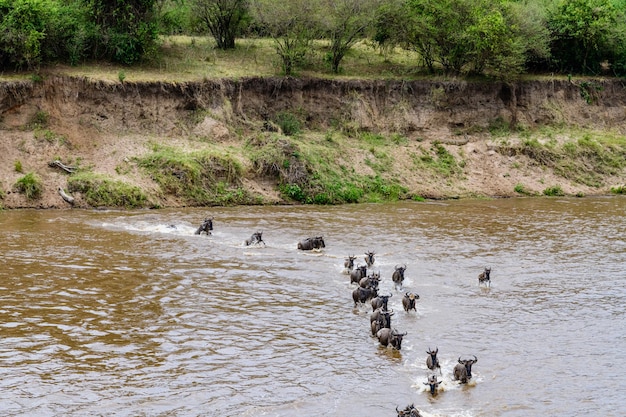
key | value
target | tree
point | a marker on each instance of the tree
(291, 25)
(583, 31)
(345, 22)
(128, 28)
(222, 18)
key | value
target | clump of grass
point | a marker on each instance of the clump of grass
(441, 161)
(288, 122)
(554, 191)
(30, 185)
(620, 189)
(102, 191)
(202, 177)
(18, 167)
(520, 189)
(40, 119)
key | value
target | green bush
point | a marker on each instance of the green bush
(289, 124)
(30, 185)
(621, 189)
(554, 191)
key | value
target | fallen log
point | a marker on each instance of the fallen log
(66, 197)
(58, 164)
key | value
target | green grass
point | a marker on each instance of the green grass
(30, 185)
(554, 191)
(202, 178)
(102, 191)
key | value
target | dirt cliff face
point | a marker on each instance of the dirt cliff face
(104, 125)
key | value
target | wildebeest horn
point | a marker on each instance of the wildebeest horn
(475, 358)
(460, 360)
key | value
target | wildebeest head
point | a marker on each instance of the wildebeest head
(433, 383)
(369, 258)
(349, 263)
(206, 226)
(468, 365)
(396, 339)
(409, 411)
(408, 301)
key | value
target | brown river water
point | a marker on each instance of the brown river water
(128, 313)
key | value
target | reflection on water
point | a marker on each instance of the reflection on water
(130, 313)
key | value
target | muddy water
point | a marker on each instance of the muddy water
(129, 313)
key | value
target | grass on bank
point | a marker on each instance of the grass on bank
(581, 156)
(101, 191)
(201, 178)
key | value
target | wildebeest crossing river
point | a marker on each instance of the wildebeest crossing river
(126, 313)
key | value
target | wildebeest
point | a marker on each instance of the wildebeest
(362, 295)
(205, 227)
(432, 362)
(390, 337)
(484, 276)
(349, 263)
(463, 370)
(409, 411)
(381, 302)
(433, 383)
(359, 273)
(383, 320)
(369, 258)
(408, 301)
(255, 239)
(398, 275)
(373, 280)
(311, 243)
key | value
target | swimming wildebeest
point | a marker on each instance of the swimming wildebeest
(432, 362)
(484, 276)
(206, 226)
(463, 369)
(381, 302)
(369, 258)
(362, 295)
(409, 411)
(373, 280)
(408, 301)
(433, 383)
(390, 337)
(255, 239)
(383, 320)
(349, 263)
(359, 273)
(398, 275)
(311, 243)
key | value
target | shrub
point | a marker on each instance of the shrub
(30, 185)
(621, 189)
(289, 123)
(554, 191)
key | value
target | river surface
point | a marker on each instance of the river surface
(129, 313)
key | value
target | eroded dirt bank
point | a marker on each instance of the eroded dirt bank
(103, 126)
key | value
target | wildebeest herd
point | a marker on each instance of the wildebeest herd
(367, 290)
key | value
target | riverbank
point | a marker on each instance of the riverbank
(277, 140)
